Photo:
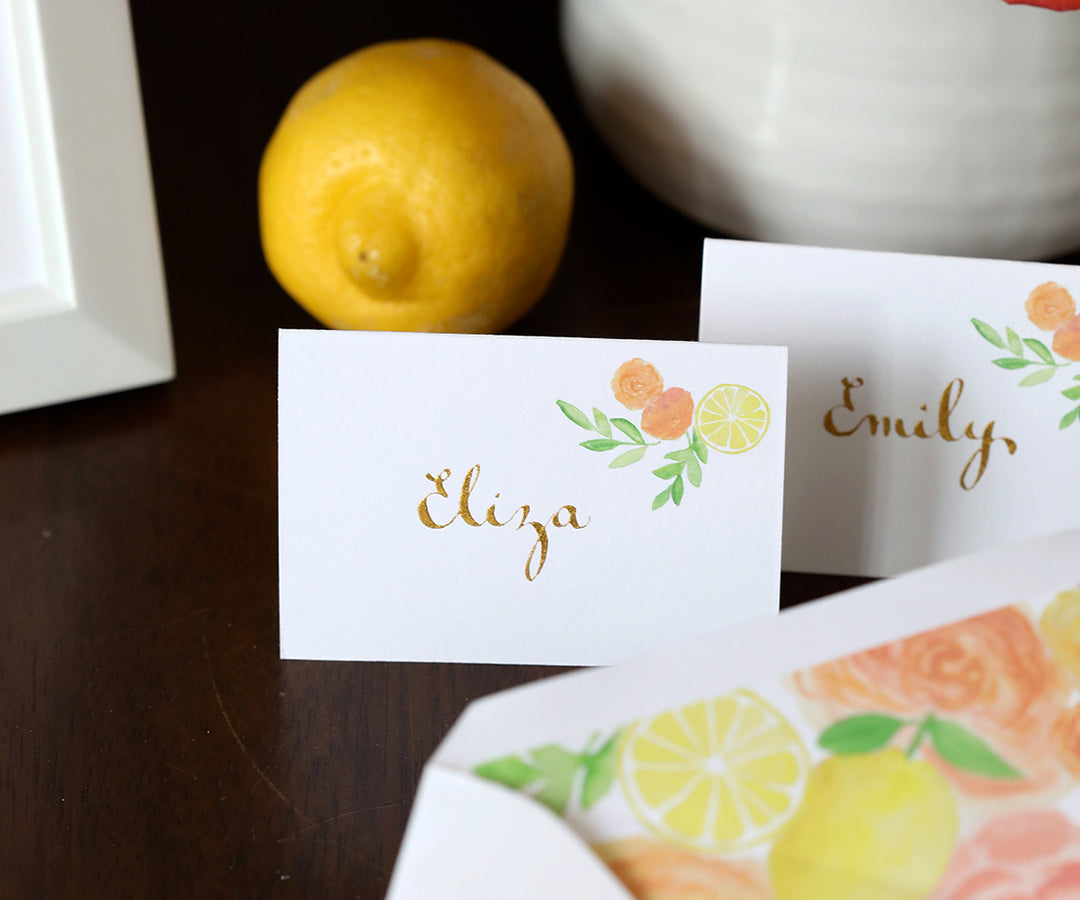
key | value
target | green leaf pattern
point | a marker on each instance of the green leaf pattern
(967, 752)
(1040, 367)
(870, 732)
(619, 433)
(860, 734)
(684, 462)
(551, 773)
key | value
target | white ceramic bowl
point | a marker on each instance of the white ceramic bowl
(932, 126)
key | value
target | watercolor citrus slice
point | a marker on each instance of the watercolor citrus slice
(714, 776)
(732, 418)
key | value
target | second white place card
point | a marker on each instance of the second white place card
(935, 401)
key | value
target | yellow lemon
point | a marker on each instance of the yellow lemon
(870, 827)
(1060, 627)
(714, 776)
(732, 418)
(416, 186)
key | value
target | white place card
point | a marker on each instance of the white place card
(500, 499)
(935, 401)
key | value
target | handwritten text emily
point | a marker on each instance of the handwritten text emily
(838, 422)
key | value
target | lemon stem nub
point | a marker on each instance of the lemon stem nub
(376, 247)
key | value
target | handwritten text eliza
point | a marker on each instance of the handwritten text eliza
(565, 516)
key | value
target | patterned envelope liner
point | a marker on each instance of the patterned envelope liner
(944, 765)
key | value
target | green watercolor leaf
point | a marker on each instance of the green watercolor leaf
(1011, 362)
(1076, 377)
(575, 415)
(558, 766)
(1072, 393)
(1069, 418)
(600, 444)
(860, 734)
(661, 498)
(680, 455)
(960, 748)
(602, 424)
(699, 446)
(693, 470)
(669, 471)
(1040, 350)
(599, 772)
(629, 429)
(511, 771)
(1037, 377)
(551, 773)
(677, 490)
(989, 333)
(628, 458)
(1013, 340)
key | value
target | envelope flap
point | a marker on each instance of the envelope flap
(471, 838)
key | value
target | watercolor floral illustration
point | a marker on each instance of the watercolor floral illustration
(729, 418)
(928, 768)
(1050, 308)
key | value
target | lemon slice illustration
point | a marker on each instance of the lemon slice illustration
(714, 776)
(732, 418)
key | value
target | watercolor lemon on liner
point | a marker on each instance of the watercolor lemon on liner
(714, 776)
(878, 826)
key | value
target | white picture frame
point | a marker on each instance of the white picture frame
(83, 309)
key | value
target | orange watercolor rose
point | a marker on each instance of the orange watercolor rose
(1067, 340)
(1066, 740)
(654, 871)
(1049, 305)
(990, 673)
(668, 416)
(636, 382)
(1032, 855)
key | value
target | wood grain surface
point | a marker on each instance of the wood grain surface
(153, 744)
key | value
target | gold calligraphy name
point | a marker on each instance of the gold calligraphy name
(950, 398)
(468, 484)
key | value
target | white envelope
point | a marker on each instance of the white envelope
(471, 837)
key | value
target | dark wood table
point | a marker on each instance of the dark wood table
(153, 744)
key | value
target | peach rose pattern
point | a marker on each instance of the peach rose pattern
(666, 415)
(1065, 740)
(1050, 307)
(1067, 340)
(1033, 855)
(636, 382)
(653, 871)
(990, 674)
